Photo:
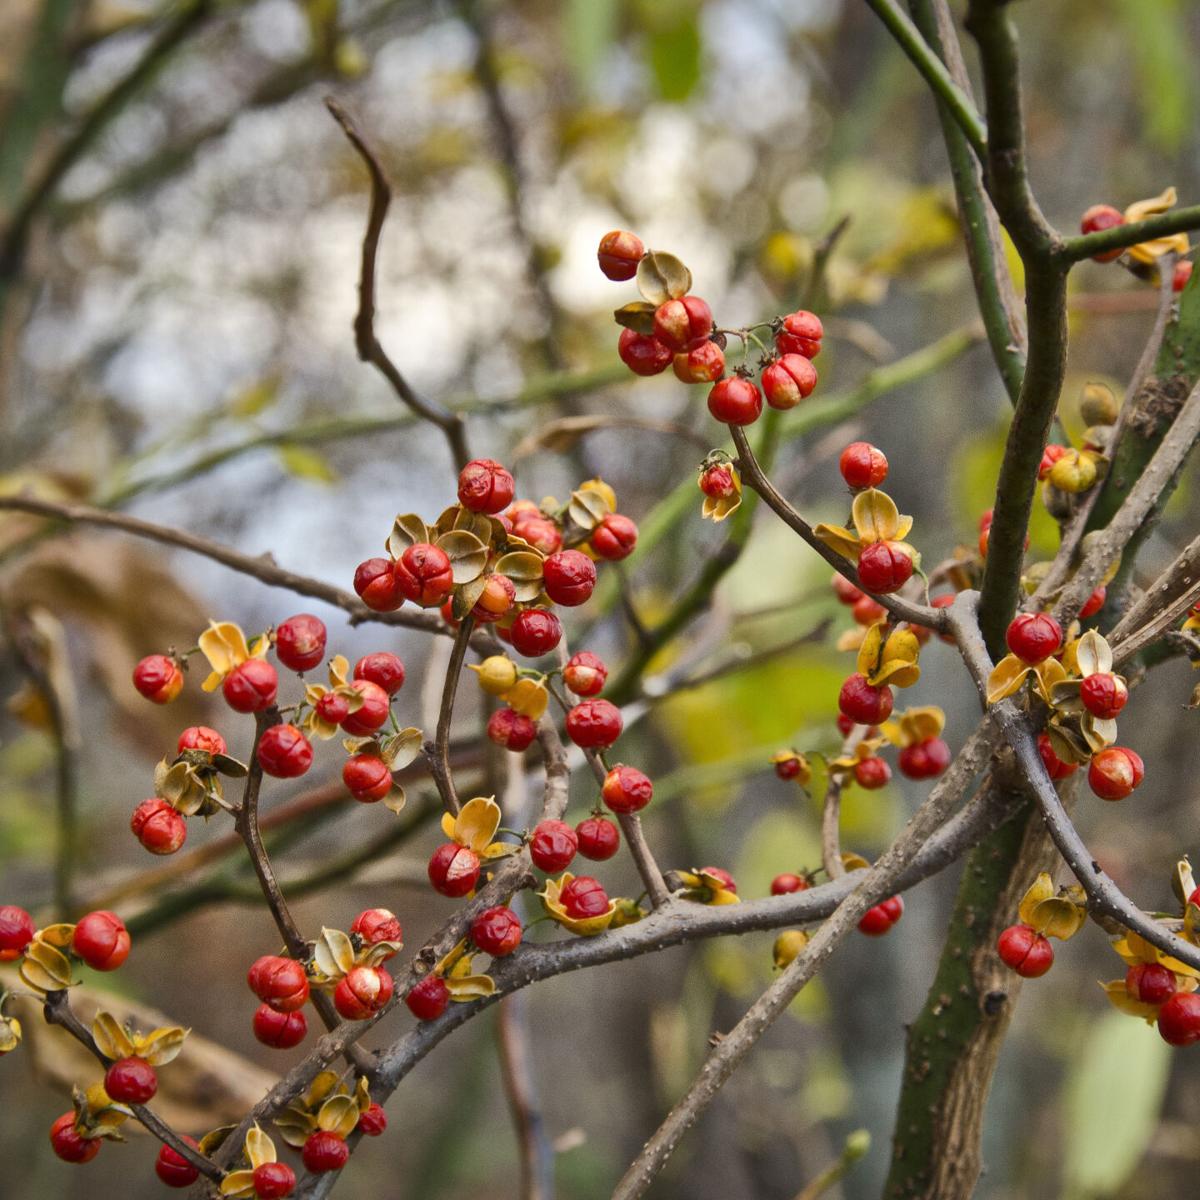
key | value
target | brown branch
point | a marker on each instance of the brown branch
(877, 883)
(437, 752)
(57, 1011)
(1166, 601)
(261, 567)
(753, 475)
(516, 1074)
(1073, 535)
(831, 849)
(367, 343)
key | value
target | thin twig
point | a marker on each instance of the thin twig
(437, 752)
(57, 1011)
(1073, 535)
(831, 849)
(369, 348)
(534, 1146)
(1121, 237)
(752, 474)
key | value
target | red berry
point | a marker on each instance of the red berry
(454, 870)
(1179, 1019)
(1033, 637)
(381, 668)
(70, 1145)
(534, 527)
(569, 577)
(594, 724)
(1025, 950)
(1098, 217)
(273, 1181)
(643, 354)
(872, 773)
(1094, 604)
(924, 760)
(1050, 456)
(1103, 694)
(866, 611)
(1055, 767)
(678, 323)
(626, 790)
(801, 333)
(158, 678)
(585, 673)
(884, 567)
(614, 538)
(1183, 273)
(717, 481)
(175, 1170)
(1115, 772)
(367, 777)
(131, 1081)
(373, 1121)
(251, 687)
(332, 708)
(361, 992)
(719, 873)
(485, 486)
(300, 642)
(863, 466)
(879, 920)
(280, 1031)
(101, 940)
(157, 825)
(845, 591)
(864, 704)
(735, 400)
(372, 714)
(535, 632)
(498, 596)
(497, 931)
(552, 846)
(619, 254)
(1151, 983)
(16, 932)
(788, 380)
(787, 768)
(424, 574)
(599, 838)
(377, 925)
(376, 584)
(783, 885)
(200, 737)
(279, 982)
(324, 1151)
(283, 751)
(428, 999)
(584, 897)
(511, 730)
(702, 362)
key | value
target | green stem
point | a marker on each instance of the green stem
(1120, 237)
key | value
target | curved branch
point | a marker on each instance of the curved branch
(1121, 237)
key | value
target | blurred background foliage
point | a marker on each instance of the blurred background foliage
(180, 222)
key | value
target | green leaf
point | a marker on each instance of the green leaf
(674, 57)
(1158, 36)
(255, 399)
(306, 463)
(1112, 1097)
(589, 27)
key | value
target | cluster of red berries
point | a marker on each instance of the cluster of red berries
(1115, 771)
(1103, 216)
(680, 333)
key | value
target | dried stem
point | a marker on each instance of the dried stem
(831, 810)
(437, 752)
(57, 1011)
(369, 348)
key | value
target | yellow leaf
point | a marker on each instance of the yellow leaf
(876, 517)
(839, 539)
(111, 1039)
(1006, 679)
(476, 824)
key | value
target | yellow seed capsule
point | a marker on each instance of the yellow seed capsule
(627, 912)
(788, 945)
(496, 674)
(1098, 406)
(1075, 472)
(10, 1034)
(603, 489)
